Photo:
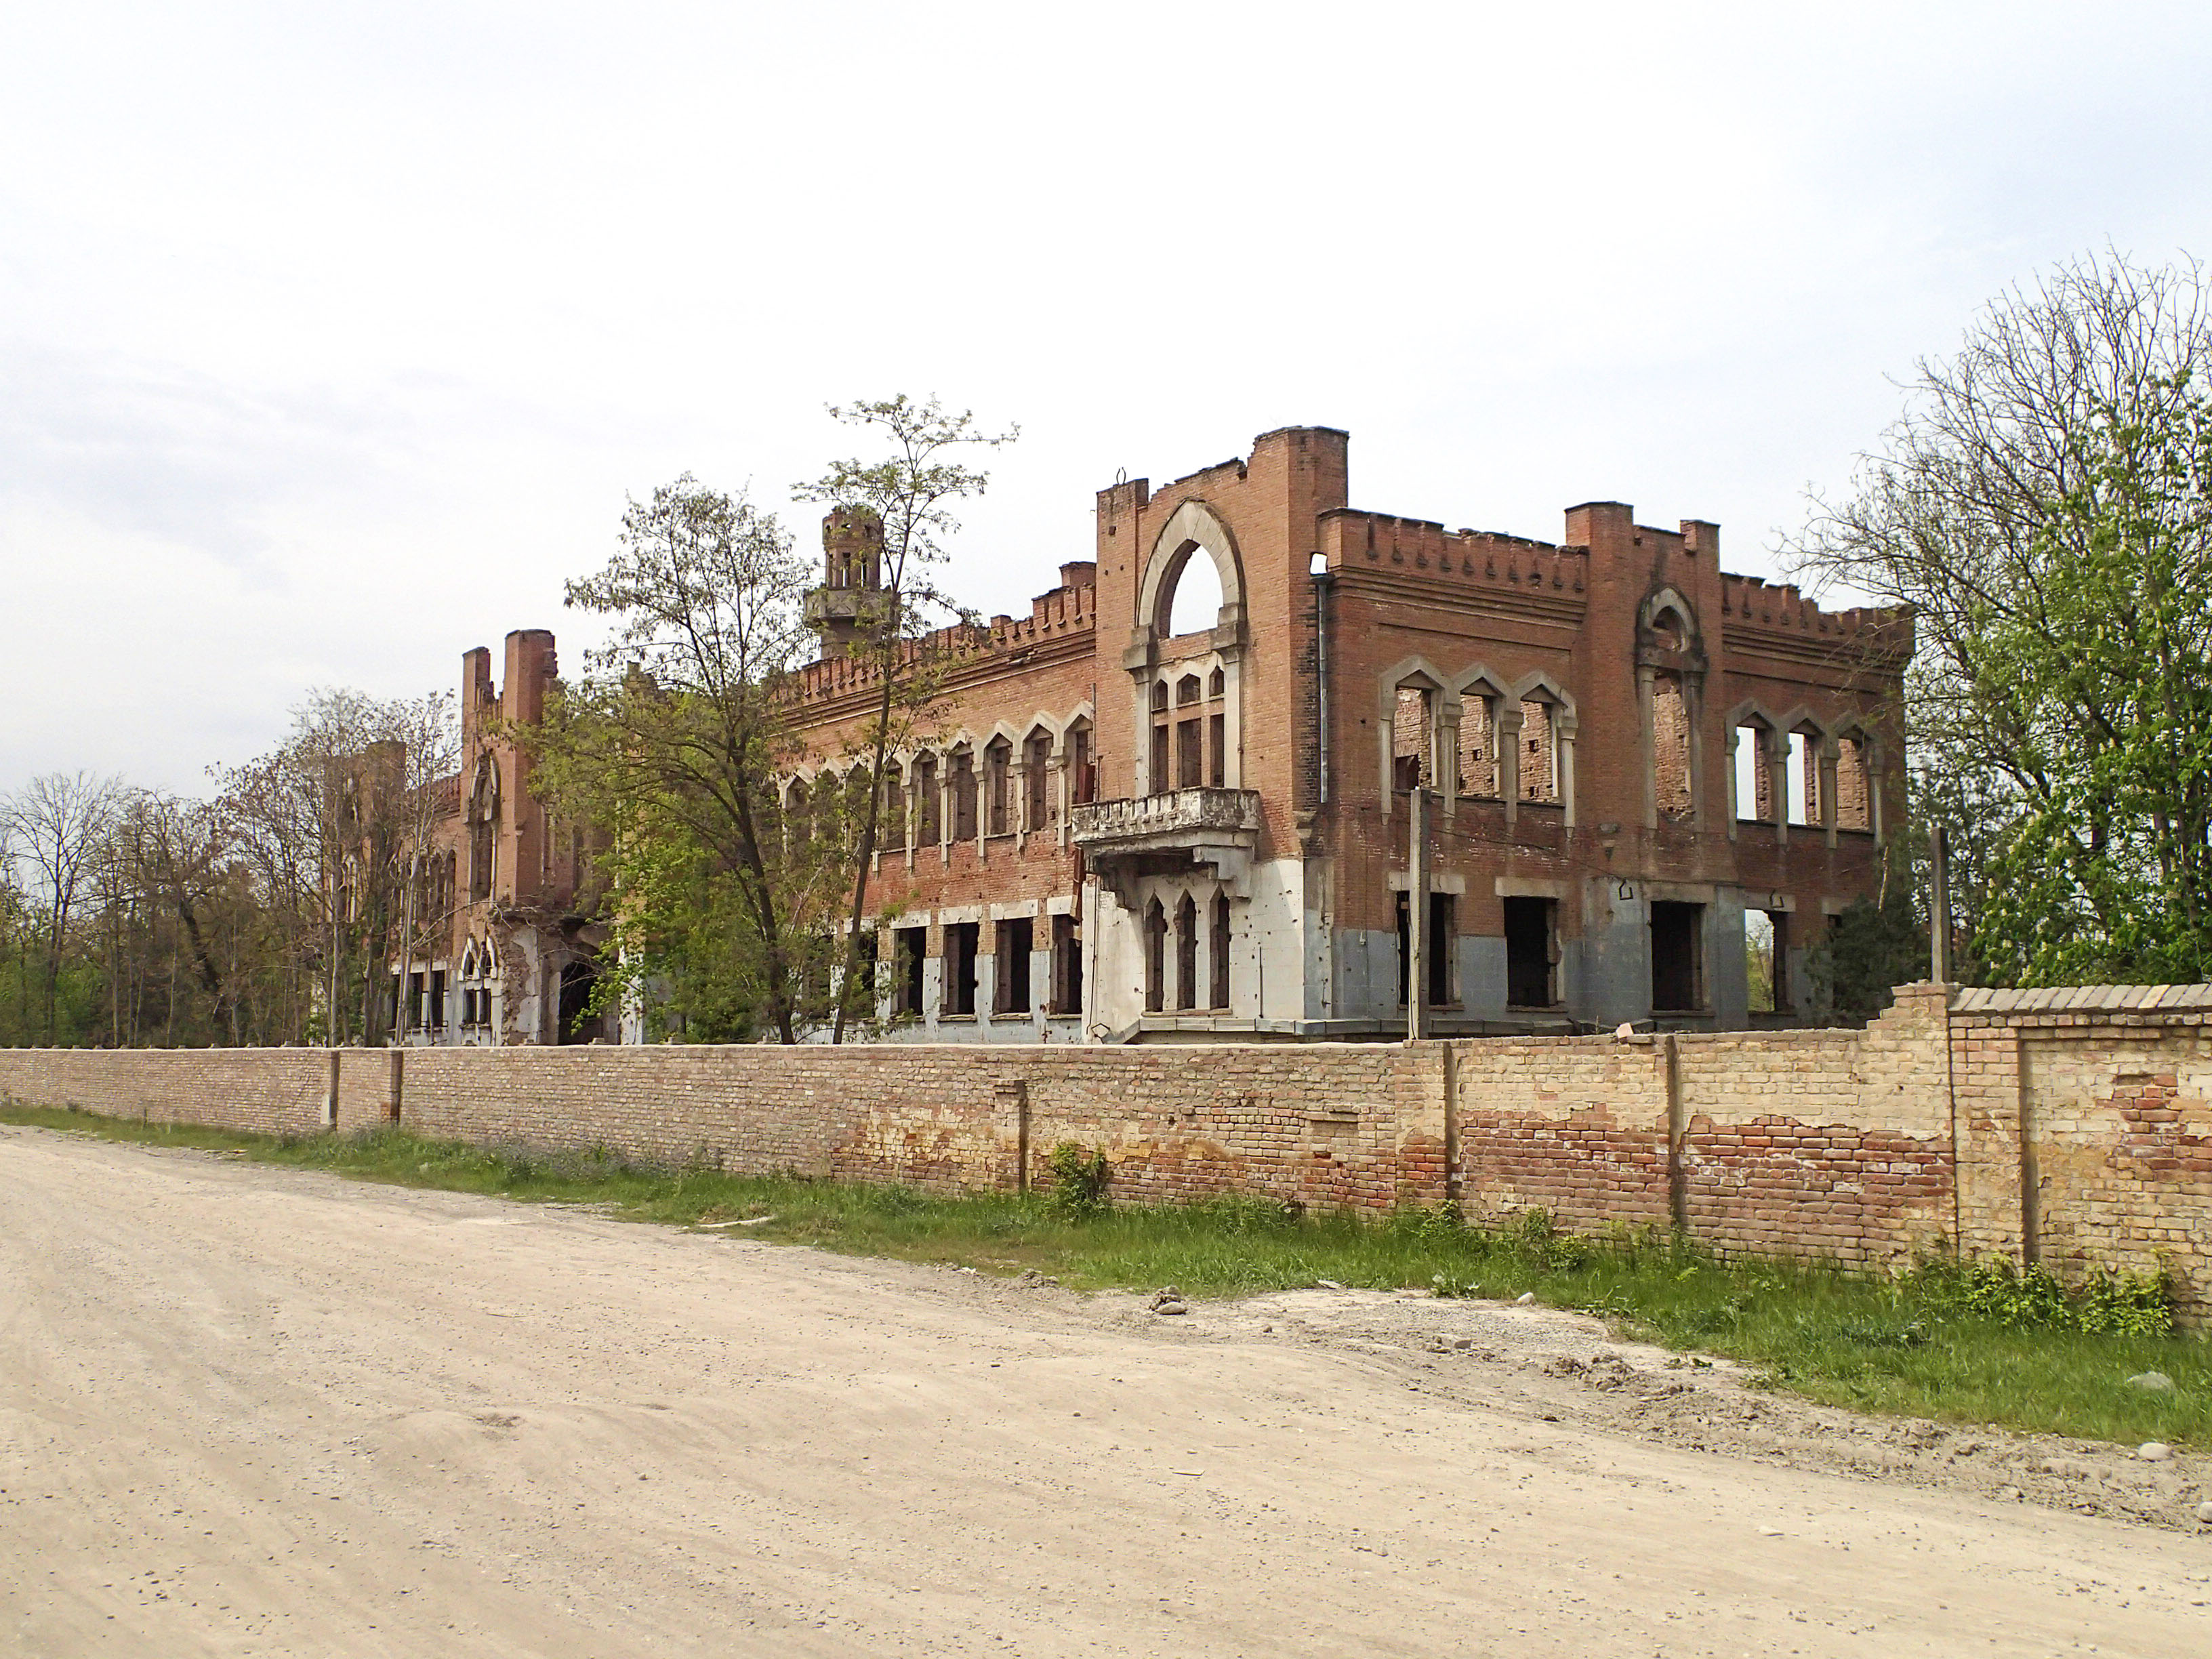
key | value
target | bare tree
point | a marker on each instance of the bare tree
(54, 825)
(909, 490)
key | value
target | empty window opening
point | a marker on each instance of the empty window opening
(797, 826)
(1754, 782)
(1037, 804)
(1854, 790)
(1218, 953)
(1066, 966)
(1188, 691)
(1438, 947)
(1404, 945)
(1156, 935)
(1413, 735)
(1186, 923)
(998, 791)
(829, 823)
(928, 815)
(1012, 945)
(1766, 960)
(1477, 746)
(1190, 754)
(1804, 784)
(1539, 758)
(1677, 965)
(1670, 746)
(859, 997)
(1194, 603)
(1217, 683)
(962, 939)
(964, 798)
(1216, 748)
(1532, 950)
(437, 1010)
(909, 945)
(578, 1024)
(1082, 767)
(891, 831)
(1161, 777)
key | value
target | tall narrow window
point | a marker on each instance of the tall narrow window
(1804, 777)
(890, 832)
(1011, 995)
(1036, 781)
(1413, 729)
(927, 805)
(1438, 946)
(1670, 746)
(1082, 767)
(1066, 966)
(1161, 779)
(1540, 753)
(911, 947)
(1218, 953)
(1854, 790)
(1156, 953)
(1766, 960)
(962, 939)
(998, 761)
(1755, 778)
(963, 796)
(1186, 925)
(1477, 746)
(1190, 734)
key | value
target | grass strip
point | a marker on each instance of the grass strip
(1927, 1344)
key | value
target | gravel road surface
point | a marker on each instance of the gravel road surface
(254, 1411)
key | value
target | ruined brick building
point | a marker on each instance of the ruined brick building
(1125, 832)
(1128, 833)
(515, 948)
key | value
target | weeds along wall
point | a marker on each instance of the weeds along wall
(2070, 1128)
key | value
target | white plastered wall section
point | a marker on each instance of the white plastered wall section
(1270, 935)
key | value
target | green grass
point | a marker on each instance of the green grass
(1940, 1344)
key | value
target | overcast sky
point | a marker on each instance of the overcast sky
(333, 336)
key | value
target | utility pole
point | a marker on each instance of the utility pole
(1939, 906)
(1417, 917)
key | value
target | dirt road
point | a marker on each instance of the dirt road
(248, 1411)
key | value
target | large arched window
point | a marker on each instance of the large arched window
(1192, 602)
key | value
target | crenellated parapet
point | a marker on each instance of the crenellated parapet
(1067, 611)
(1352, 538)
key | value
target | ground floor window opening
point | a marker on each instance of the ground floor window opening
(1016, 939)
(1766, 960)
(1186, 955)
(1531, 951)
(1218, 953)
(962, 939)
(909, 946)
(1066, 966)
(1677, 965)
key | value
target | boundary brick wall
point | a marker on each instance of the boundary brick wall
(2070, 1128)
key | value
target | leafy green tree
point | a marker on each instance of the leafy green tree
(2106, 871)
(673, 745)
(2037, 506)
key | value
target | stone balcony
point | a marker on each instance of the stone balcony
(1166, 834)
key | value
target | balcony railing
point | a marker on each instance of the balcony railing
(1180, 817)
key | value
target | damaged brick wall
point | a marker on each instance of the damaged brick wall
(2071, 1127)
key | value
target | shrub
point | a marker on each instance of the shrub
(2033, 1299)
(1079, 1177)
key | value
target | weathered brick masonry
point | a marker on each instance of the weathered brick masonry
(2066, 1126)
